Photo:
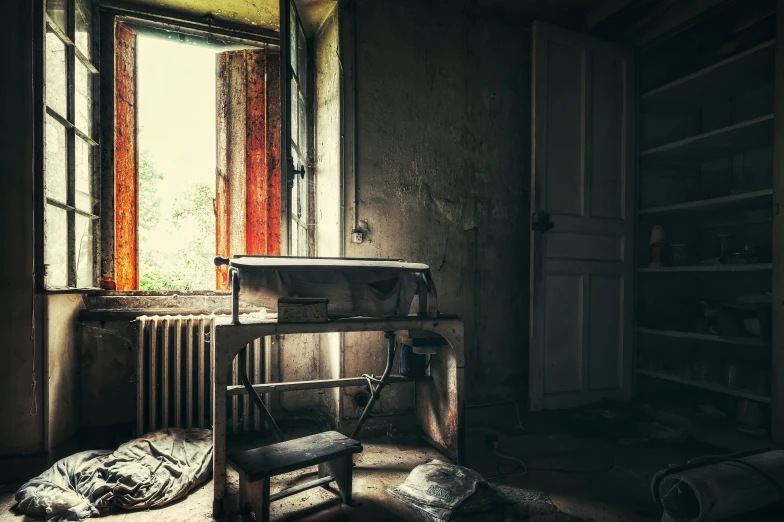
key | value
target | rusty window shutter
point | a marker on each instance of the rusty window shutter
(126, 161)
(247, 206)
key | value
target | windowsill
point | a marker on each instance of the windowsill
(109, 305)
(131, 293)
(158, 293)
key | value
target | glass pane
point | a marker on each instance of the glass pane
(56, 11)
(84, 99)
(294, 112)
(56, 83)
(84, 249)
(293, 36)
(55, 247)
(294, 235)
(303, 242)
(302, 142)
(84, 175)
(55, 161)
(84, 22)
(302, 59)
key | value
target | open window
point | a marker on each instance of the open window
(300, 160)
(69, 184)
(180, 200)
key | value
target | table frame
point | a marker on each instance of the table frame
(439, 399)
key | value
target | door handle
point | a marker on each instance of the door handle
(540, 221)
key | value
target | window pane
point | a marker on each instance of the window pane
(55, 247)
(84, 22)
(84, 175)
(294, 112)
(56, 84)
(294, 238)
(56, 11)
(302, 60)
(303, 242)
(84, 99)
(293, 36)
(84, 249)
(55, 161)
(302, 142)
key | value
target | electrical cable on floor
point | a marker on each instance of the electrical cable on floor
(522, 468)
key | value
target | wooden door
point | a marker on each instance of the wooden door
(582, 185)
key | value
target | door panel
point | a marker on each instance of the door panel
(583, 177)
(563, 309)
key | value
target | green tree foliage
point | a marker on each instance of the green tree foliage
(177, 248)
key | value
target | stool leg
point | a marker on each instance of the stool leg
(342, 470)
(257, 494)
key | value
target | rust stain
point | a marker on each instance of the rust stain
(126, 162)
(256, 210)
(258, 150)
(222, 223)
(274, 194)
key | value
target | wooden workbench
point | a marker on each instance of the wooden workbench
(439, 399)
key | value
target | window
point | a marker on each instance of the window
(300, 183)
(70, 218)
(175, 207)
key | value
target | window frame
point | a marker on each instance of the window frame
(165, 22)
(300, 186)
(70, 126)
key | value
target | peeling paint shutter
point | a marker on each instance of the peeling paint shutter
(126, 161)
(248, 196)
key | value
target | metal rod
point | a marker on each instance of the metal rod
(243, 371)
(322, 384)
(376, 392)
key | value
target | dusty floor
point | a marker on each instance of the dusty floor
(589, 469)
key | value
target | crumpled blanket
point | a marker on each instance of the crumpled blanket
(147, 472)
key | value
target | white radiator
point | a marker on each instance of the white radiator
(174, 375)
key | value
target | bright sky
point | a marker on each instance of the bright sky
(177, 108)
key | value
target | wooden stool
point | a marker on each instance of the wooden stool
(332, 452)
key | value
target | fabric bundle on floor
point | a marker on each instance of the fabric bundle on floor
(443, 492)
(147, 472)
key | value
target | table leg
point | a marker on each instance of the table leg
(220, 370)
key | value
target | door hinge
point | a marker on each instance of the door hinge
(540, 221)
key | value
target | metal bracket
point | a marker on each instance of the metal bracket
(540, 221)
(293, 172)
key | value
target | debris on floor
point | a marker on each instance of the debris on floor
(438, 490)
(151, 471)
(445, 492)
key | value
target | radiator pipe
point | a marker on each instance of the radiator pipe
(271, 424)
(376, 392)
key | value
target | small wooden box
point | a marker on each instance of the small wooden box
(302, 310)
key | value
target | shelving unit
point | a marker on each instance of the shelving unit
(729, 107)
(759, 267)
(726, 390)
(735, 202)
(726, 141)
(744, 341)
(752, 65)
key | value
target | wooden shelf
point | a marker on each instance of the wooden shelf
(726, 141)
(726, 390)
(745, 201)
(745, 341)
(760, 267)
(750, 68)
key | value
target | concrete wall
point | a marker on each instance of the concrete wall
(328, 182)
(62, 362)
(22, 425)
(443, 165)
